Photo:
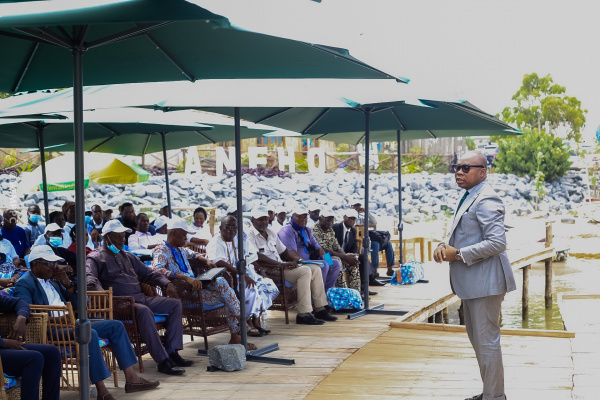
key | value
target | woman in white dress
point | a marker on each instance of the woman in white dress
(200, 226)
(260, 291)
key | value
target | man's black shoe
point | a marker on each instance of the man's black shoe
(371, 293)
(375, 282)
(478, 397)
(168, 367)
(308, 319)
(325, 316)
(178, 361)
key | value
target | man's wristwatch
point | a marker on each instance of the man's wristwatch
(458, 256)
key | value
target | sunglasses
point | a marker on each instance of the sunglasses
(465, 167)
(49, 263)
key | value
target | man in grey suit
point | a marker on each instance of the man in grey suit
(480, 273)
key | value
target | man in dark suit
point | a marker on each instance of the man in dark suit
(345, 233)
(31, 362)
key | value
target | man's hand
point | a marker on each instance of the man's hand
(194, 283)
(6, 283)
(171, 291)
(60, 275)
(210, 264)
(444, 252)
(250, 282)
(350, 259)
(18, 329)
(13, 344)
(290, 265)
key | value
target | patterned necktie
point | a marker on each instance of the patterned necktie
(461, 202)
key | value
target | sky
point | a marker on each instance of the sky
(450, 50)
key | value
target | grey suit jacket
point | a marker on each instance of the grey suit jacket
(478, 231)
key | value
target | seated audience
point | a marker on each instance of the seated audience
(161, 229)
(73, 246)
(109, 266)
(107, 213)
(280, 219)
(95, 224)
(171, 259)
(48, 284)
(314, 211)
(300, 242)
(259, 291)
(375, 249)
(14, 233)
(201, 230)
(30, 362)
(306, 277)
(128, 219)
(163, 210)
(34, 227)
(142, 238)
(68, 210)
(53, 237)
(9, 273)
(326, 238)
(10, 254)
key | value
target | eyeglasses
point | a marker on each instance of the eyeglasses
(49, 263)
(230, 227)
(465, 167)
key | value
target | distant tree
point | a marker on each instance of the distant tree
(470, 143)
(4, 95)
(532, 153)
(540, 100)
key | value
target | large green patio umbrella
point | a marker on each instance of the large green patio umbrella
(141, 41)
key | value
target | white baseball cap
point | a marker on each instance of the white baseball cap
(259, 212)
(299, 209)
(53, 227)
(160, 221)
(178, 223)
(114, 225)
(351, 213)
(327, 213)
(43, 252)
(314, 206)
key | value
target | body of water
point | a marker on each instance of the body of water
(573, 276)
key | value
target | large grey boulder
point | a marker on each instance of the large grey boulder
(228, 357)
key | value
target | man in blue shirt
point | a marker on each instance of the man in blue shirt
(34, 226)
(15, 234)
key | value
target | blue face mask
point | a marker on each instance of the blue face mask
(35, 218)
(87, 219)
(113, 248)
(55, 241)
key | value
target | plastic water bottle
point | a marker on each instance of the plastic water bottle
(263, 320)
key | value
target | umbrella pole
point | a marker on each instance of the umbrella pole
(164, 146)
(83, 328)
(400, 223)
(378, 309)
(254, 355)
(40, 137)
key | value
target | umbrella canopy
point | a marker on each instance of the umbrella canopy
(118, 172)
(149, 41)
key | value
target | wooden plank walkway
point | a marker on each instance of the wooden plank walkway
(437, 362)
(319, 351)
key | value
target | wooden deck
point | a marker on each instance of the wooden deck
(366, 358)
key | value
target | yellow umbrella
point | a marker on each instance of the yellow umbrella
(118, 172)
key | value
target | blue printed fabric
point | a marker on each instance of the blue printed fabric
(10, 382)
(344, 298)
(410, 273)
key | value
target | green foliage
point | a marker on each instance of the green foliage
(181, 166)
(519, 155)
(540, 100)
(26, 167)
(416, 162)
(470, 143)
(4, 95)
(9, 160)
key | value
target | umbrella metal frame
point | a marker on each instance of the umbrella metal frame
(252, 355)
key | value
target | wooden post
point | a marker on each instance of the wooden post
(525, 297)
(548, 265)
(445, 316)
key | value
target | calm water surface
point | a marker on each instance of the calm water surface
(573, 276)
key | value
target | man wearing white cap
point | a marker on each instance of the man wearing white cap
(280, 217)
(160, 224)
(302, 245)
(326, 238)
(314, 211)
(171, 259)
(53, 237)
(307, 277)
(109, 266)
(48, 284)
(259, 291)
